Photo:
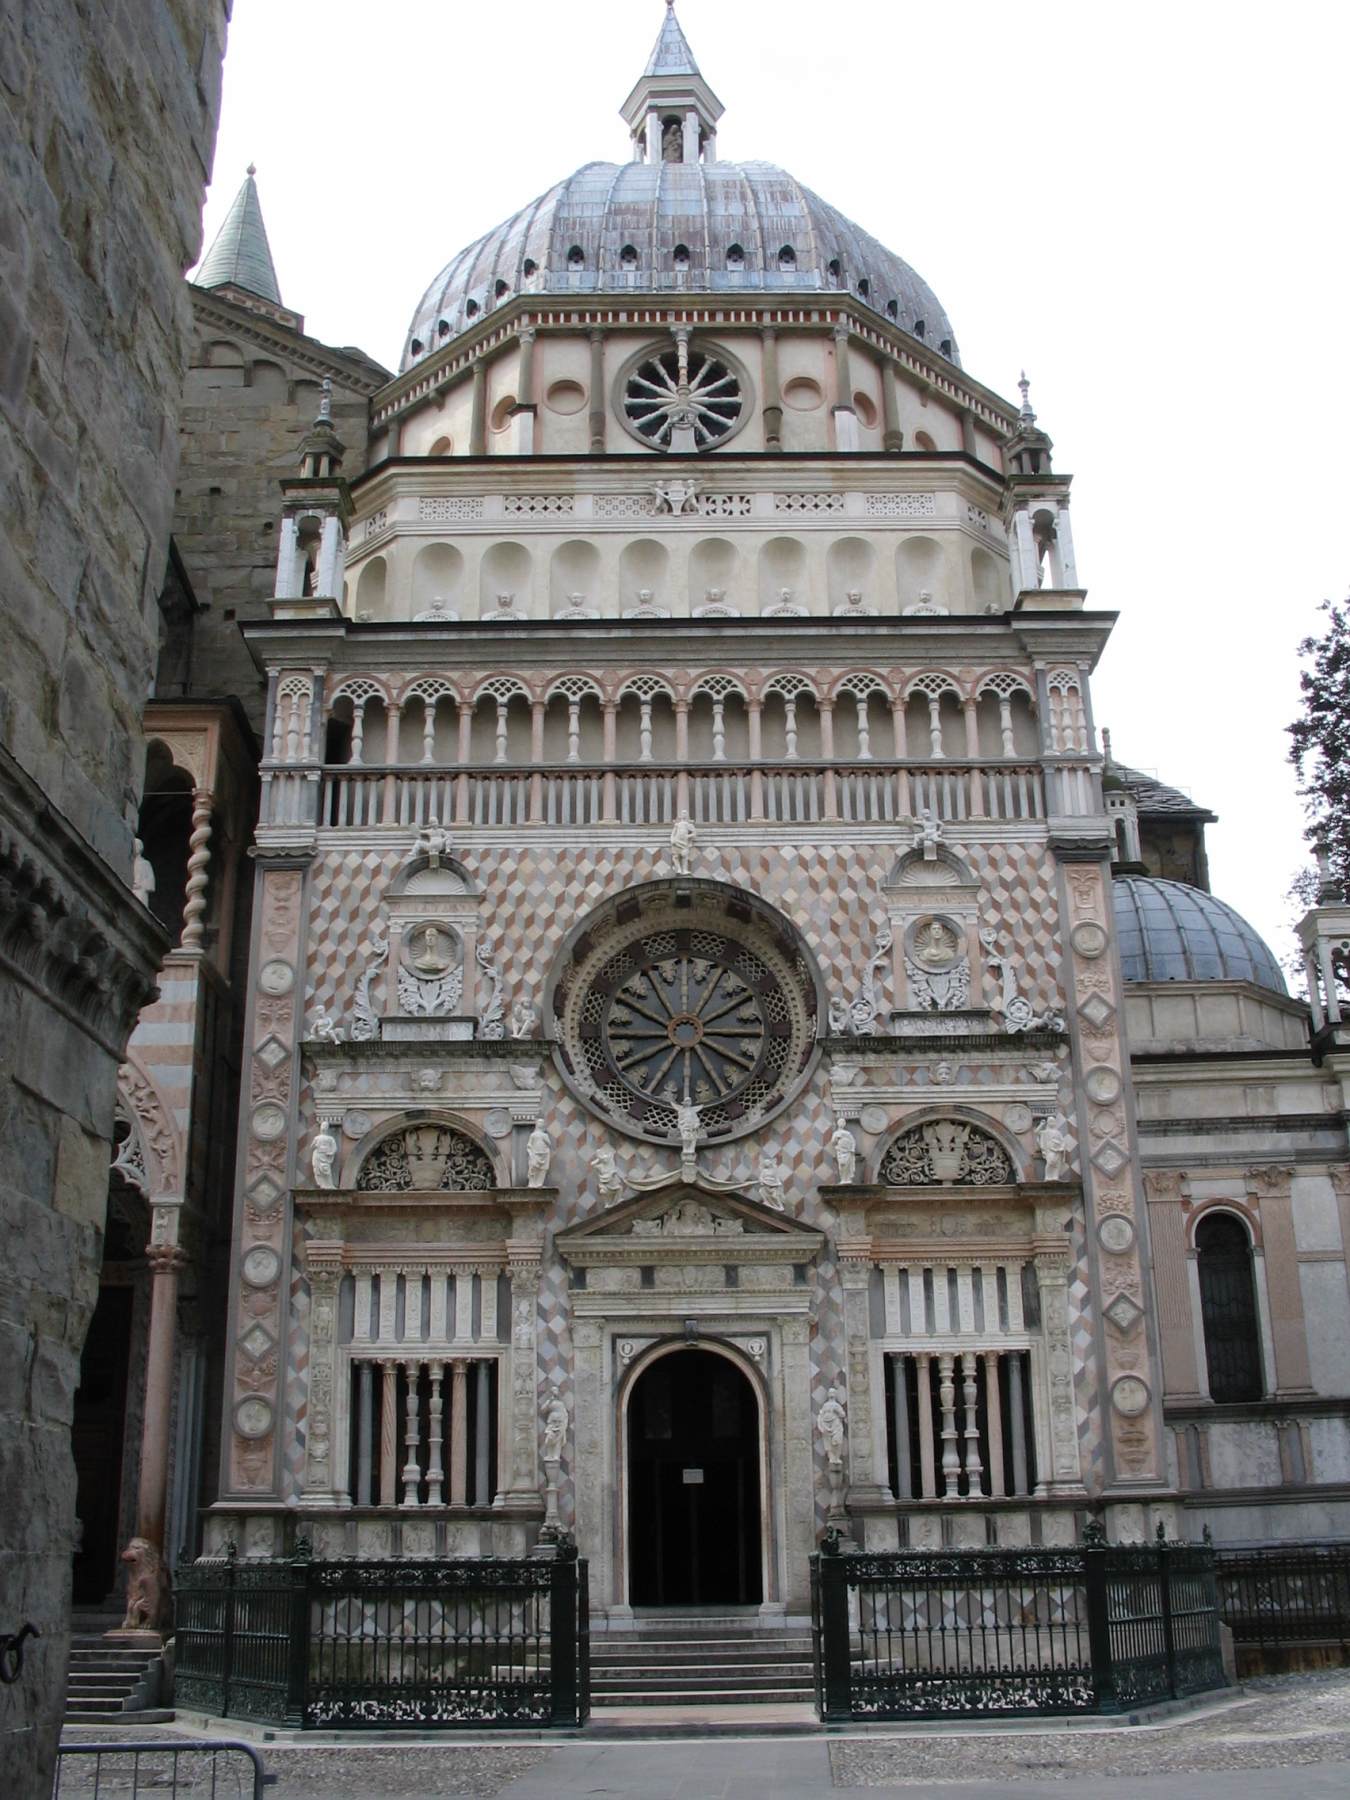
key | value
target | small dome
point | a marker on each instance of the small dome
(697, 228)
(1171, 932)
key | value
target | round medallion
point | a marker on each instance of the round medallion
(261, 1266)
(1017, 1117)
(933, 943)
(1116, 1234)
(269, 1121)
(669, 1001)
(1130, 1396)
(1089, 939)
(276, 977)
(1102, 1085)
(670, 390)
(497, 1123)
(356, 1124)
(874, 1119)
(253, 1417)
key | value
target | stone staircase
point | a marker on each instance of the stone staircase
(108, 1682)
(696, 1662)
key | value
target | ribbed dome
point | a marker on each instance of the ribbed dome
(1171, 932)
(709, 212)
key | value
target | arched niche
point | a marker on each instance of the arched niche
(164, 826)
(851, 567)
(989, 581)
(506, 569)
(574, 724)
(714, 573)
(954, 1148)
(782, 565)
(919, 571)
(719, 722)
(371, 586)
(574, 568)
(435, 1155)
(268, 382)
(438, 576)
(644, 567)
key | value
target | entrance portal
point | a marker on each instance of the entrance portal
(693, 1484)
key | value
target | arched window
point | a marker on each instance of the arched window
(1228, 1309)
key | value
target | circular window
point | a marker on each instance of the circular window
(866, 411)
(565, 397)
(656, 396)
(802, 394)
(502, 411)
(685, 994)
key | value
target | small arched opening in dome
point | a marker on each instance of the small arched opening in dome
(628, 257)
(470, 309)
(531, 268)
(946, 347)
(416, 346)
(502, 289)
(864, 289)
(681, 256)
(736, 256)
(893, 309)
(576, 257)
(442, 328)
(834, 271)
(919, 328)
(787, 260)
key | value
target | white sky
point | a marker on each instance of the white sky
(1142, 203)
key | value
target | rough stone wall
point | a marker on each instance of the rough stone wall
(107, 120)
(253, 391)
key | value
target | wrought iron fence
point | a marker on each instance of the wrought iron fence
(489, 1640)
(1288, 1596)
(209, 1769)
(1089, 1628)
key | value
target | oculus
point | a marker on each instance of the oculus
(711, 398)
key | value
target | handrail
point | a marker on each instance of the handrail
(158, 1748)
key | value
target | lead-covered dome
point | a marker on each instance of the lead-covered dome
(1171, 932)
(669, 228)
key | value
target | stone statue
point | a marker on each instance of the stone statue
(683, 836)
(142, 883)
(522, 1019)
(323, 1155)
(935, 945)
(838, 1017)
(440, 609)
(605, 1167)
(555, 1427)
(324, 1029)
(672, 142)
(853, 606)
(1052, 1140)
(832, 1424)
(771, 1183)
(687, 1117)
(930, 833)
(539, 1153)
(845, 1147)
(506, 607)
(676, 497)
(148, 1587)
(433, 842)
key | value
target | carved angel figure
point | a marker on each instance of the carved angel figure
(323, 1155)
(522, 1019)
(676, 497)
(845, 1147)
(609, 1183)
(142, 874)
(687, 1120)
(539, 1153)
(433, 842)
(832, 1424)
(555, 1427)
(324, 1029)
(771, 1183)
(1052, 1140)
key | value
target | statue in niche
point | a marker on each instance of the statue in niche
(1052, 1140)
(142, 874)
(555, 1427)
(845, 1147)
(853, 607)
(771, 1192)
(506, 608)
(683, 836)
(609, 1182)
(688, 1126)
(430, 978)
(492, 1019)
(934, 945)
(672, 141)
(440, 610)
(832, 1424)
(538, 1153)
(577, 608)
(323, 1155)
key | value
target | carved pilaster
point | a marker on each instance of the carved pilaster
(320, 1427)
(524, 1477)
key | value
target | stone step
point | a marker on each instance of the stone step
(91, 1662)
(152, 1715)
(782, 1668)
(684, 1697)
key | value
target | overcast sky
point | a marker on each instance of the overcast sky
(1143, 204)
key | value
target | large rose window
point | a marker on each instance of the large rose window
(707, 1003)
(684, 386)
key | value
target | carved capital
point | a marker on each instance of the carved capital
(1164, 1184)
(1271, 1181)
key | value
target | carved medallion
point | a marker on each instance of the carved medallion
(276, 977)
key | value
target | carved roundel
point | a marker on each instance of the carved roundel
(685, 993)
(659, 391)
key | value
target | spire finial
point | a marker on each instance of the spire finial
(1106, 744)
(251, 170)
(1025, 386)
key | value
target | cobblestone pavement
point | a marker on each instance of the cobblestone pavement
(1288, 1737)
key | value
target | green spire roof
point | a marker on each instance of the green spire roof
(672, 55)
(241, 256)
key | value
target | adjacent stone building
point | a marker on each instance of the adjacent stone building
(107, 124)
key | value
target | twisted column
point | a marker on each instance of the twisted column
(199, 858)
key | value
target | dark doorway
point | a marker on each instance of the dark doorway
(97, 1438)
(1228, 1309)
(693, 1484)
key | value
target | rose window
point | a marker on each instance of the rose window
(667, 1010)
(709, 398)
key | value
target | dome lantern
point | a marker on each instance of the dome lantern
(672, 112)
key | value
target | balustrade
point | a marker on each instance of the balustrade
(422, 1425)
(959, 1424)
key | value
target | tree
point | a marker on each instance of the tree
(1321, 740)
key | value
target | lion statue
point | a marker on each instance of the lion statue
(148, 1587)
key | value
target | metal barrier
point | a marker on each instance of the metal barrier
(194, 1771)
(1288, 1596)
(483, 1641)
(1089, 1628)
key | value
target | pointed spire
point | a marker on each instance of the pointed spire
(241, 256)
(672, 55)
(1024, 387)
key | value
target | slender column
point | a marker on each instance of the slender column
(392, 721)
(904, 1471)
(994, 1410)
(412, 1469)
(970, 717)
(597, 415)
(388, 1432)
(482, 1441)
(970, 1366)
(536, 757)
(1017, 1407)
(478, 411)
(435, 1435)
(924, 1400)
(968, 443)
(365, 1431)
(892, 437)
(831, 797)
(459, 1437)
(608, 712)
(1005, 725)
(682, 731)
(328, 578)
(428, 729)
(773, 399)
(463, 755)
(900, 746)
(935, 725)
(755, 710)
(199, 859)
(165, 1261)
(951, 1455)
(845, 419)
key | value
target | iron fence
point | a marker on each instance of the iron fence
(210, 1769)
(1286, 1597)
(1089, 1628)
(477, 1641)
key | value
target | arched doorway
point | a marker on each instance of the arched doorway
(694, 1504)
(1228, 1310)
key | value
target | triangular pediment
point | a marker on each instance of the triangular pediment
(683, 1219)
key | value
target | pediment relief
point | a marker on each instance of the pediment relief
(688, 1218)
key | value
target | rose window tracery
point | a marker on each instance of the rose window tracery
(669, 390)
(944, 1152)
(667, 1010)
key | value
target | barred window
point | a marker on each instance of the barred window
(1228, 1309)
(959, 1423)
